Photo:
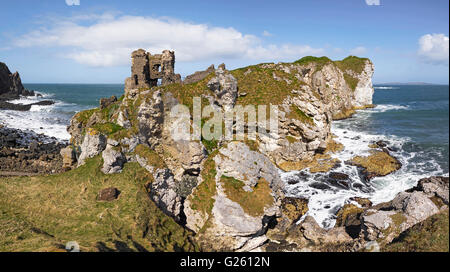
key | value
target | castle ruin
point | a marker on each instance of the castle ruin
(147, 69)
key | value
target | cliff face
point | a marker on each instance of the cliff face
(228, 192)
(10, 84)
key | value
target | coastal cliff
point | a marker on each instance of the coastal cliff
(227, 192)
(133, 185)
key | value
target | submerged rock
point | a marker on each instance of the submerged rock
(377, 164)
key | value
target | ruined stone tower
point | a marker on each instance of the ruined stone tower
(146, 69)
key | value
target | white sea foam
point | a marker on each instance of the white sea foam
(40, 119)
(385, 88)
(388, 107)
(326, 198)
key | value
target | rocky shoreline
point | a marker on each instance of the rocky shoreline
(219, 195)
(29, 153)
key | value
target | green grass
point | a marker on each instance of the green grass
(298, 114)
(352, 82)
(150, 155)
(107, 128)
(253, 203)
(431, 235)
(44, 212)
(321, 61)
(352, 63)
(202, 197)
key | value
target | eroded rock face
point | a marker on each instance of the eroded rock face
(233, 224)
(150, 118)
(224, 87)
(93, 144)
(404, 211)
(199, 75)
(113, 160)
(10, 84)
(163, 191)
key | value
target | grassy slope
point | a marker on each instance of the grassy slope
(432, 235)
(43, 213)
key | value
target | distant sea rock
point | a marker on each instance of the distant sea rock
(11, 85)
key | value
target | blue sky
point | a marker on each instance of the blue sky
(52, 42)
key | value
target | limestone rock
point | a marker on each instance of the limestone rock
(224, 87)
(105, 102)
(69, 157)
(199, 75)
(294, 208)
(93, 144)
(163, 191)
(113, 160)
(434, 186)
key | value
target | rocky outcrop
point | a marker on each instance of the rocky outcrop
(10, 84)
(362, 227)
(199, 75)
(113, 160)
(248, 194)
(93, 144)
(20, 107)
(227, 192)
(224, 87)
(25, 153)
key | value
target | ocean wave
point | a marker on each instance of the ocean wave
(326, 198)
(385, 88)
(388, 107)
(48, 120)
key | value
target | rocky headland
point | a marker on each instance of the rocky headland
(11, 88)
(133, 187)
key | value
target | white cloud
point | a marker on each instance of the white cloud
(373, 2)
(266, 33)
(433, 48)
(109, 40)
(358, 51)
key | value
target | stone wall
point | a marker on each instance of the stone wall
(147, 69)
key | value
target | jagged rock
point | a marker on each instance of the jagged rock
(372, 246)
(377, 164)
(224, 87)
(69, 157)
(93, 144)
(163, 191)
(416, 206)
(10, 84)
(108, 194)
(113, 160)
(294, 208)
(233, 223)
(105, 102)
(434, 187)
(310, 232)
(404, 211)
(150, 118)
(199, 75)
(348, 215)
(363, 202)
(20, 107)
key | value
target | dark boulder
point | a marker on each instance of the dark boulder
(108, 194)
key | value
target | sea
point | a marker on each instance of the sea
(412, 119)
